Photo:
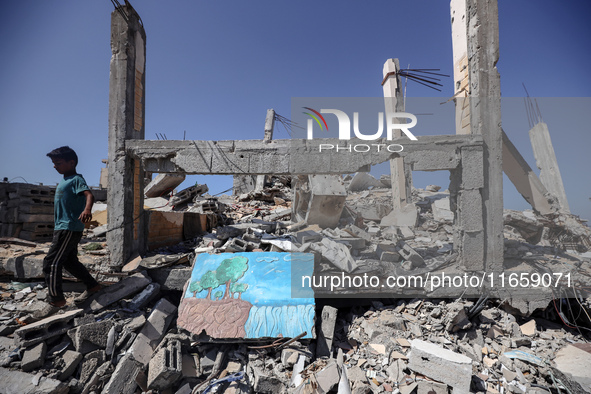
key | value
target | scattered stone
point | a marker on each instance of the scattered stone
(441, 364)
(71, 360)
(34, 357)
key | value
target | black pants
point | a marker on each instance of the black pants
(63, 253)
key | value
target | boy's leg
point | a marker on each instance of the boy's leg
(76, 268)
(64, 242)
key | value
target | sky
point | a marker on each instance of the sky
(214, 67)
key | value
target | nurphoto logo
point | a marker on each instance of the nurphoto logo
(393, 122)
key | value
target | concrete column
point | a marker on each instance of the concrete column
(469, 229)
(547, 163)
(459, 32)
(485, 119)
(394, 102)
(269, 126)
(126, 122)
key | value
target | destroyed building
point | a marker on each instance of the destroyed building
(145, 331)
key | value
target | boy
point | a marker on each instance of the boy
(72, 208)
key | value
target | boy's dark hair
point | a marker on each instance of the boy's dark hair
(65, 152)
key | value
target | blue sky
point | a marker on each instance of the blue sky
(213, 68)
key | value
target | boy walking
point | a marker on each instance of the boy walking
(72, 208)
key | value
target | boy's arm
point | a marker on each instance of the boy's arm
(86, 215)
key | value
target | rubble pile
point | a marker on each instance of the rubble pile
(125, 339)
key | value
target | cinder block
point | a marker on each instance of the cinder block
(50, 327)
(153, 331)
(440, 364)
(89, 337)
(166, 366)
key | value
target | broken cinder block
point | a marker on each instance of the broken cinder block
(166, 366)
(47, 328)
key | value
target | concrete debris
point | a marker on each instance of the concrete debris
(575, 361)
(165, 366)
(34, 357)
(405, 216)
(188, 194)
(126, 338)
(163, 184)
(363, 181)
(441, 364)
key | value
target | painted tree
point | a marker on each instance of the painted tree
(239, 288)
(209, 281)
(230, 270)
(218, 294)
(195, 287)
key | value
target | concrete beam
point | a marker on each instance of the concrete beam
(546, 161)
(485, 118)
(288, 157)
(126, 122)
(525, 180)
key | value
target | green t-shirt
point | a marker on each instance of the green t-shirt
(69, 203)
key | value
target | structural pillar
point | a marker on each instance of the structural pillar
(394, 102)
(482, 19)
(269, 126)
(126, 224)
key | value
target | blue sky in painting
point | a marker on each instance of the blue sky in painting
(268, 276)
